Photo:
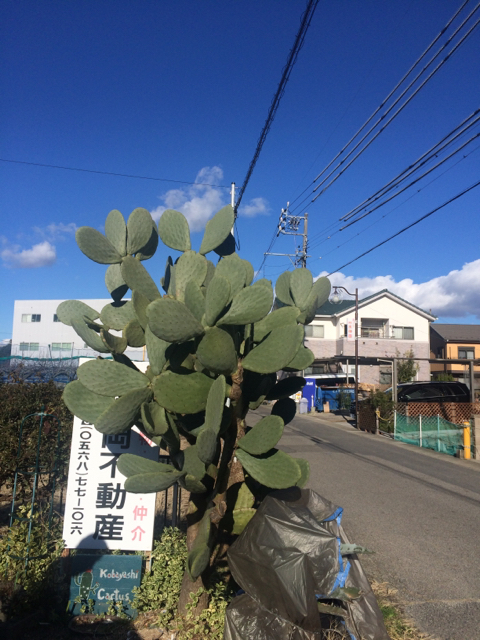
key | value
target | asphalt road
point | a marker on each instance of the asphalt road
(417, 509)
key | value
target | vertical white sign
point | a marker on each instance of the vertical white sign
(99, 513)
(351, 330)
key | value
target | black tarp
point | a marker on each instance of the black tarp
(286, 560)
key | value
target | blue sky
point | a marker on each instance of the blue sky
(181, 91)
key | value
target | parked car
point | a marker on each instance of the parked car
(432, 392)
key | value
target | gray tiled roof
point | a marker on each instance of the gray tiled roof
(458, 332)
(330, 309)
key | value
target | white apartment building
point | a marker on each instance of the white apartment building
(37, 332)
(387, 326)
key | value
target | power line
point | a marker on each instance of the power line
(409, 172)
(292, 58)
(424, 159)
(393, 105)
(392, 117)
(365, 229)
(110, 173)
(459, 195)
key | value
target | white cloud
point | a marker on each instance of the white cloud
(199, 202)
(42, 254)
(54, 231)
(456, 295)
(256, 207)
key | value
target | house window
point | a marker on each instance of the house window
(403, 333)
(315, 369)
(31, 317)
(61, 346)
(373, 328)
(55, 318)
(315, 331)
(466, 353)
(29, 346)
(385, 375)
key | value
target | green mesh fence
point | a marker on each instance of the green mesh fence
(430, 432)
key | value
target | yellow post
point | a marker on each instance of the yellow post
(466, 440)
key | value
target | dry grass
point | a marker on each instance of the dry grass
(397, 624)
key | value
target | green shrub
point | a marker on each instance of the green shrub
(36, 585)
(160, 590)
(19, 399)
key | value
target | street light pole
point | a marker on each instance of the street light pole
(336, 300)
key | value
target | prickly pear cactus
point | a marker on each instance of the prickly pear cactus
(215, 344)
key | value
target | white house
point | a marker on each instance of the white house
(388, 326)
(37, 332)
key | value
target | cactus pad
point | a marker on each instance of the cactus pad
(286, 409)
(118, 314)
(191, 462)
(154, 419)
(276, 351)
(216, 352)
(216, 299)
(282, 288)
(90, 336)
(276, 469)
(134, 334)
(138, 278)
(305, 472)
(217, 229)
(207, 443)
(131, 465)
(195, 300)
(151, 482)
(191, 267)
(116, 231)
(148, 249)
(232, 268)
(278, 318)
(70, 310)
(286, 387)
(214, 410)
(171, 320)
(156, 349)
(303, 358)
(109, 378)
(250, 305)
(139, 230)
(182, 393)
(173, 230)
(263, 437)
(84, 403)
(236, 521)
(114, 344)
(301, 282)
(114, 282)
(122, 413)
(96, 246)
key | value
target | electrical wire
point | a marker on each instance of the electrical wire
(292, 58)
(422, 160)
(433, 152)
(367, 213)
(111, 173)
(365, 229)
(392, 106)
(399, 110)
(395, 235)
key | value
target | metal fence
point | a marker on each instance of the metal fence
(432, 432)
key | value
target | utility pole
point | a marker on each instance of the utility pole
(289, 225)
